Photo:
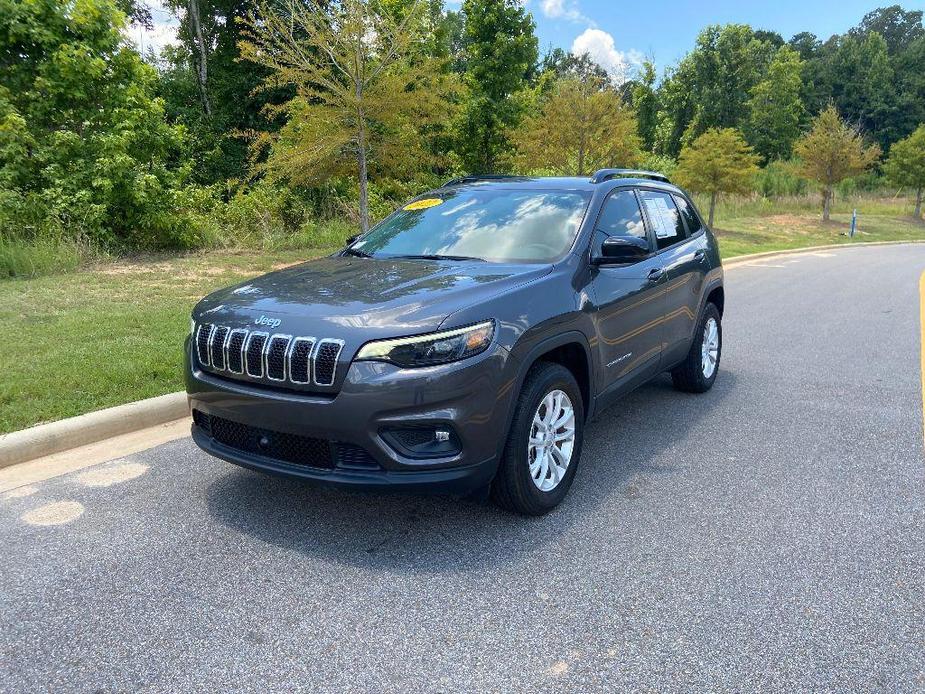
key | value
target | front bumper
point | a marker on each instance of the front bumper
(473, 397)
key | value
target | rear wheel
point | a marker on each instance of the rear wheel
(544, 444)
(697, 373)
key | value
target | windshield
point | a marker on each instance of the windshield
(527, 226)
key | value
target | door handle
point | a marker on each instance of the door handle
(700, 255)
(655, 274)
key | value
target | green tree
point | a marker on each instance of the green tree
(502, 51)
(775, 108)
(898, 27)
(831, 152)
(645, 101)
(84, 145)
(362, 88)
(863, 87)
(906, 165)
(717, 162)
(726, 64)
(583, 126)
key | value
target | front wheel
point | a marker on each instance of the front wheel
(543, 447)
(697, 373)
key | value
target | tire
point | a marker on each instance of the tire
(691, 375)
(521, 473)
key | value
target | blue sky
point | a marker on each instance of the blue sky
(619, 33)
(615, 31)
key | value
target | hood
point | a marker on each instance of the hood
(363, 298)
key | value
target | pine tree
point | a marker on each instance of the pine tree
(775, 107)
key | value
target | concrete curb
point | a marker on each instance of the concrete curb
(740, 259)
(47, 439)
(63, 435)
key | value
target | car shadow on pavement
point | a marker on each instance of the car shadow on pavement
(622, 458)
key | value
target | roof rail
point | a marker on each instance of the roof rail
(472, 178)
(607, 174)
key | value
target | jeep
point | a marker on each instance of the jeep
(461, 344)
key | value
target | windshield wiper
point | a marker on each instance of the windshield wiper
(349, 250)
(434, 256)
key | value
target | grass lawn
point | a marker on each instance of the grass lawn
(107, 335)
(111, 334)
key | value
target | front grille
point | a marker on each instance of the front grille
(326, 361)
(288, 448)
(276, 357)
(235, 351)
(300, 360)
(217, 347)
(259, 355)
(254, 354)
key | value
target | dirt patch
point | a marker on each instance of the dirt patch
(55, 513)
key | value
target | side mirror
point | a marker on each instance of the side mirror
(351, 239)
(622, 250)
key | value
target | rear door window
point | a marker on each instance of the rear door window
(664, 217)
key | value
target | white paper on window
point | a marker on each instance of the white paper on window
(661, 217)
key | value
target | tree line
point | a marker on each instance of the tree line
(341, 108)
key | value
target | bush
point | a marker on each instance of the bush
(779, 179)
(45, 256)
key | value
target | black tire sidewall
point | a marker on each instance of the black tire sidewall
(545, 378)
(710, 311)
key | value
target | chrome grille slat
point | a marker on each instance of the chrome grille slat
(253, 354)
(325, 361)
(274, 357)
(234, 350)
(300, 360)
(202, 343)
(217, 347)
(258, 355)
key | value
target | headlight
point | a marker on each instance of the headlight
(436, 348)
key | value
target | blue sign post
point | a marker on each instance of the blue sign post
(854, 223)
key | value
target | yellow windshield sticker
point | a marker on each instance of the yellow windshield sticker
(423, 204)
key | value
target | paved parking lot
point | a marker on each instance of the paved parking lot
(769, 534)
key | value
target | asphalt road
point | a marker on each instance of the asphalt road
(768, 535)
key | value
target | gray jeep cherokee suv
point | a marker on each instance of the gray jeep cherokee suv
(462, 343)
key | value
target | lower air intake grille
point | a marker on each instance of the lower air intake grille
(288, 448)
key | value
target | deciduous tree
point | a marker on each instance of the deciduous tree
(502, 51)
(717, 162)
(831, 152)
(363, 86)
(583, 126)
(775, 108)
(906, 165)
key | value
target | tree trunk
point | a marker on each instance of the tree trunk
(918, 204)
(361, 160)
(200, 62)
(712, 208)
(581, 154)
(826, 203)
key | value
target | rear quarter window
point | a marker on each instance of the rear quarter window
(689, 215)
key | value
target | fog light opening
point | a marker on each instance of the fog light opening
(423, 442)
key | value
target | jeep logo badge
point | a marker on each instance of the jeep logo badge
(269, 322)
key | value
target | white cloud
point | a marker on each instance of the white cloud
(563, 9)
(164, 32)
(600, 46)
